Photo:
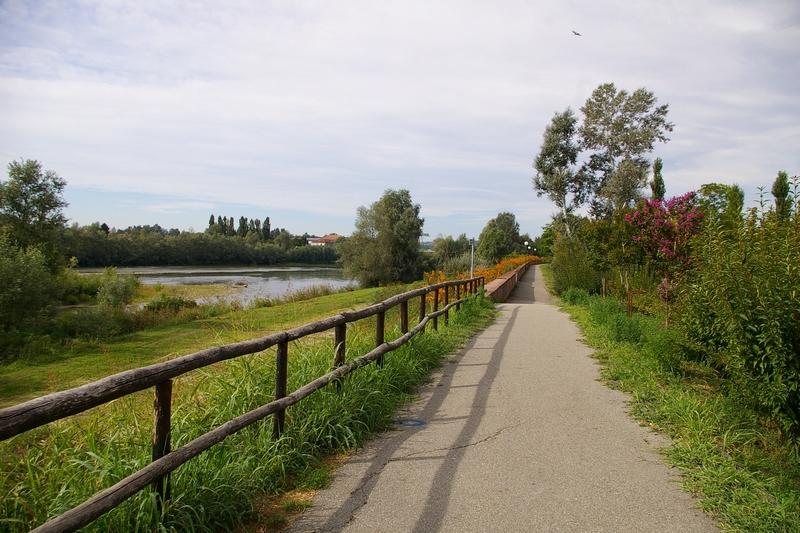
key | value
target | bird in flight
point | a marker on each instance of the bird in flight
(576, 33)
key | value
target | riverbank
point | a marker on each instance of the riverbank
(82, 361)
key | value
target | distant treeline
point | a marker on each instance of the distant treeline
(97, 245)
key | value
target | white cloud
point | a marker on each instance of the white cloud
(316, 108)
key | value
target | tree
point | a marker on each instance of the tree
(665, 230)
(283, 240)
(385, 246)
(555, 175)
(780, 190)
(499, 238)
(721, 204)
(31, 206)
(657, 187)
(447, 248)
(265, 229)
(619, 129)
(241, 231)
(26, 286)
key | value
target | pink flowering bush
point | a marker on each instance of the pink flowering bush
(664, 229)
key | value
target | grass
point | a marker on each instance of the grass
(85, 361)
(741, 470)
(50, 469)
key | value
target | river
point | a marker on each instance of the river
(250, 281)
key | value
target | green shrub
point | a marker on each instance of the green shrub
(26, 285)
(602, 309)
(162, 302)
(76, 288)
(740, 306)
(575, 296)
(117, 290)
(571, 268)
(92, 324)
(624, 329)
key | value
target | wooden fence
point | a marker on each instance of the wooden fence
(40, 411)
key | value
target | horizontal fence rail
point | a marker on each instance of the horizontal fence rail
(40, 411)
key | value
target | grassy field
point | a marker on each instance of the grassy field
(83, 361)
(737, 464)
(50, 469)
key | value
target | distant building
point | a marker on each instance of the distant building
(327, 240)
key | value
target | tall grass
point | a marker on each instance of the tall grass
(735, 461)
(48, 470)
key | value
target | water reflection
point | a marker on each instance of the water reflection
(251, 282)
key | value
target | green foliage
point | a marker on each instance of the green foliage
(461, 264)
(574, 296)
(657, 187)
(571, 267)
(783, 200)
(741, 306)
(92, 247)
(91, 324)
(499, 238)
(624, 329)
(52, 468)
(618, 129)
(169, 303)
(77, 289)
(385, 246)
(721, 204)
(30, 207)
(116, 290)
(26, 286)
(737, 466)
(556, 176)
(312, 255)
(446, 249)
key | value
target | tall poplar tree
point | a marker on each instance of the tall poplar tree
(657, 187)
(780, 190)
(618, 130)
(556, 176)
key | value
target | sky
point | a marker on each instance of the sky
(169, 111)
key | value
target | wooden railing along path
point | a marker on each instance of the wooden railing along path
(40, 411)
(500, 288)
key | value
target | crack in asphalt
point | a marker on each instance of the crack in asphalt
(459, 447)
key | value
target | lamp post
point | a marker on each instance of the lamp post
(472, 258)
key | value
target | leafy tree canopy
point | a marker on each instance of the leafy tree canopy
(618, 130)
(385, 246)
(31, 203)
(556, 175)
(499, 238)
(780, 190)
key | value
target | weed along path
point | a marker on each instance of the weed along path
(516, 433)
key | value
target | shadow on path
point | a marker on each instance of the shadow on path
(439, 492)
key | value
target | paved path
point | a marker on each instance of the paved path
(518, 435)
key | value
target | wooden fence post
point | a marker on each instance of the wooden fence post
(404, 317)
(162, 407)
(422, 304)
(281, 375)
(435, 308)
(339, 341)
(380, 324)
(446, 301)
(458, 296)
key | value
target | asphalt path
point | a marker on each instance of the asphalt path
(515, 433)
